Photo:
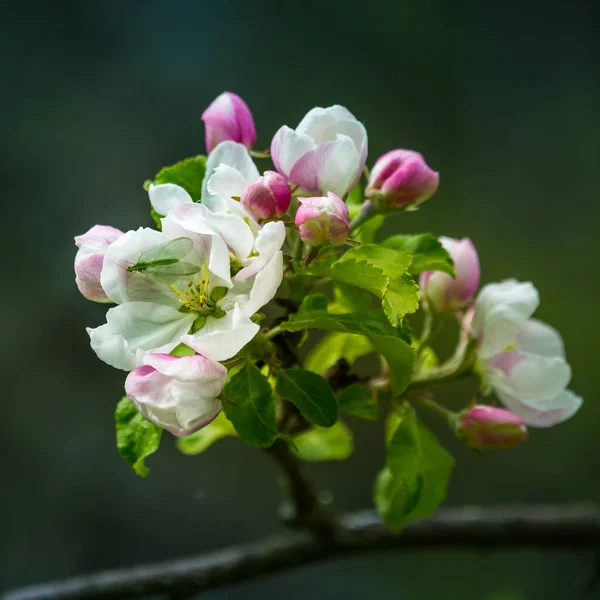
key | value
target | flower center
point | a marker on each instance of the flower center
(196, 297)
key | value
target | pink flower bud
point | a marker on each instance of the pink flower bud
(322, 219)
(401, 178)
(488, 428)
(268, 196)
(177, 393)
(445, 293)
(228, 118)
(90, 259)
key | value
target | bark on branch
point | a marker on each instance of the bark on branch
(492, 528)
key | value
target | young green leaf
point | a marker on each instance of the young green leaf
(324, 443)
(310, 393)
(201, 440)
(188, 174)
(335, 346)
(416, 476)
(358, 400)
(136, 437)
(437, 465)
(250, 406)
(427, 252)
(392, 343)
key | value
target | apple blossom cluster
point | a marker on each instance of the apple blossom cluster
(293, 246)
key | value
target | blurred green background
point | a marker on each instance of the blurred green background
(502, 98)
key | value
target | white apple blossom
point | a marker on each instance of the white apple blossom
(521, 359)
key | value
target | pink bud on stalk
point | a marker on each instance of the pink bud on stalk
(228, 118)
(488, 428)
(399, 179)
(323, 219)
(90, 259)
(268, 196)
(445, 293)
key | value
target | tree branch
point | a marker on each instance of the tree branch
(492, 528)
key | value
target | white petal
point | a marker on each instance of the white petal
(547, 413)
(265, 286)
(269, 241)
(536, 337)
(138, 326)
(166, 196)
(318, 121)
(233, 155)
(226, 182)
(234, 230)
(288, 147)
(191, 220)
(533, 378)
(120, 285)
(221, 339)
(501, 311)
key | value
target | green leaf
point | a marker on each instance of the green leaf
(382, 272)
(437, 465)
(156, 218)
(351, 299)
(187, 174)
(310, 393)
(392, 343)
(404, 447)
(137, 438)
(427, 252)
(417, 473)
(251, 406)
(201, 440)
(391, 497)
(427, 360)
(324, 443)
(358, 400)
(335, 346)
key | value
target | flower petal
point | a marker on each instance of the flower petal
(233, 155)
(501, 311)
(135, 328)
(269, 241)
(120, 285)
(287, 147)
(265, 286)
(167, 196)
(536, 337)
(331, 167)
(177, 393)
(533, 377)
(547, 413)
(223, 338)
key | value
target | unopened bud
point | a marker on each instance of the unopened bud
(487, 428)
(228, 118)
(322, 220)
(445, 293)
(268, 196)
(399, 179)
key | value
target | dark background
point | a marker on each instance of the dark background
(501, 97)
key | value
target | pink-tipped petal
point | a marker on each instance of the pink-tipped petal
(178, 394)
(90, 258)
(323, 219)
(228, 118)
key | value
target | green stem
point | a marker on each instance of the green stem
(444, 412)
(298, 250)
(366, 212)
(269, 335)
